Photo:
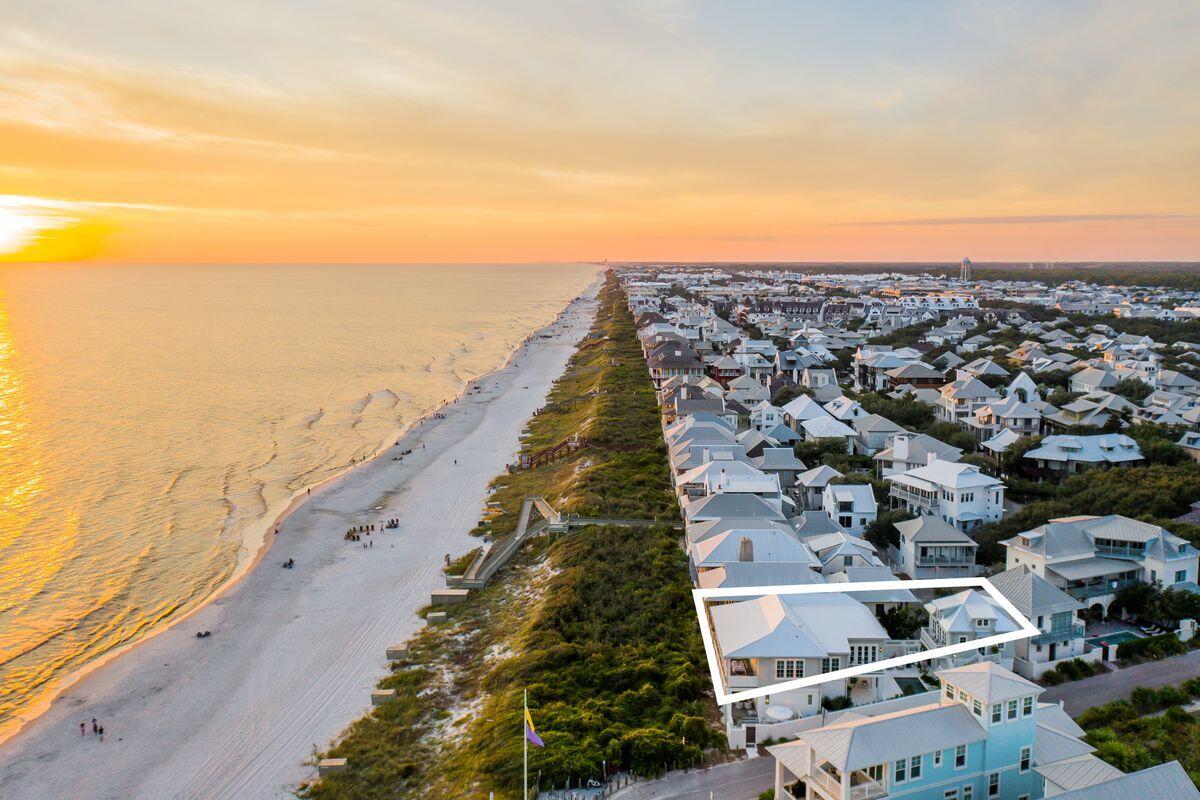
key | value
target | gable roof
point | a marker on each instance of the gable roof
(860, 743)
(1031, 593)
(1163, 781)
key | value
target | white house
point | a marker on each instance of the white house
(776, 638)
(908, 451)
(958, 493)
(932, 548)
(1092, 558)
(1059, 456)
(1053, 611)
(851, 505)
(968, 616)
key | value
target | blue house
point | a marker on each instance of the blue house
(982, 736)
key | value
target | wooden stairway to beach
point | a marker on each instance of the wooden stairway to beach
(489, 560)
(552, 453)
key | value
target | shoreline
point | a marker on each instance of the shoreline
(260, 537)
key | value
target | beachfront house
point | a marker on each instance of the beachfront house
(1053, 611)
(1092, 558)
(983, 736)
(776, 638)
(960, 494)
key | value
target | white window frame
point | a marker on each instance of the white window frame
(937, 758)
(993, 786)
(916, 767)
(782, 666)
(963, 748)
(1026, 762)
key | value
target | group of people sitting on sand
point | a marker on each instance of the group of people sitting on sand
(291, 562)
(203, 634)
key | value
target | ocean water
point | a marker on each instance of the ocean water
(154, 418)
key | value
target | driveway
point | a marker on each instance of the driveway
(737, 780)
(1078, 696)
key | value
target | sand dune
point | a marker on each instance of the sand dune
(294, 653)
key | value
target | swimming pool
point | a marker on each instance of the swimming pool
(1120, 637)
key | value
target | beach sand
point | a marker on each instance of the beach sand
(294, 653)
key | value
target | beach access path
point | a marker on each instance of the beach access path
(294, 653)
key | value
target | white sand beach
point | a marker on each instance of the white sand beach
(294, 653)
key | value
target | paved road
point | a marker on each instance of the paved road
(1078, 696)
(737, 780)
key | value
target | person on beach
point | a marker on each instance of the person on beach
(83, 729)
(95, 727)
(101, 732)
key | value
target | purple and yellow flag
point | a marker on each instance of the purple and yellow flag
(530, 733)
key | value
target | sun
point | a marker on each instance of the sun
(39, 229)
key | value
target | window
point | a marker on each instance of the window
(968, 791)
(789, 668)
(914, 767)
(1026, 706)
(949, 692)
(994, 785)
(901, 771)
(1180, 575)
(950, 794)
(1023, 797)
(978, 706)
(1026, 757)
(960, 756)
(831, 664)
(937, 758)
(995, 713)
(1012, 709)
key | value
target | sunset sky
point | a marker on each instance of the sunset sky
(313, 130)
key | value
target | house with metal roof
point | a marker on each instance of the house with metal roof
(1168, 780)
(961, 494)
(962, 397)
(930, 547)
(1092, 558)
(1058, 456)
(1054, 612)
(968, 616)
(851, 505)
(980, 738)
(874, 433)
(908, 451)
(771, 639)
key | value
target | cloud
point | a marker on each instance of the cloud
(1019, 219)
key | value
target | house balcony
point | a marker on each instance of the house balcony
(913, 497)
(1136, 553)
(946, 561)
(1060, 634)
(1088, 591)
(862, 786)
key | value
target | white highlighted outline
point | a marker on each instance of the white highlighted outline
(1027, 630)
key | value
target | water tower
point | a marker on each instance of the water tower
(964, 271)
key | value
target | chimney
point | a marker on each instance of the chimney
(746, 550)
(930, 458)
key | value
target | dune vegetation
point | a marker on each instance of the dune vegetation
(596, 625)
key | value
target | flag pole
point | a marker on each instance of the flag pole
(525, 745)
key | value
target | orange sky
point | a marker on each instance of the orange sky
(660, 129)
